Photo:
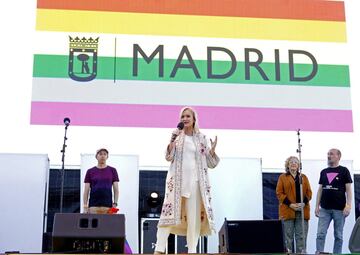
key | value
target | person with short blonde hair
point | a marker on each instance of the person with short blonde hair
(187, 206)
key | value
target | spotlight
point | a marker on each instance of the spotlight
(154, 195)
(153, 199)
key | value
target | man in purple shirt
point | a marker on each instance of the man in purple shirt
(100, 182)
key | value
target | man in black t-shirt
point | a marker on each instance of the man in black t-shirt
(333, 202)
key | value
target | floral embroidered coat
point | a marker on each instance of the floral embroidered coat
(173, 213)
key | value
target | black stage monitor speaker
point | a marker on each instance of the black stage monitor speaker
(148, 235)
(354, 241)
(251, 236)
(148, 239)
(88, 233)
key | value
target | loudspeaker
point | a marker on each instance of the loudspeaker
(252, 236)
(354, 241)
(148, 235)
(176, 244)
(88, 233)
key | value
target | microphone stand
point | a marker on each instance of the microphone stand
(62, 172)
(301, 193)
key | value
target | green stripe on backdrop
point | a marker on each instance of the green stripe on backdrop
(56, 66)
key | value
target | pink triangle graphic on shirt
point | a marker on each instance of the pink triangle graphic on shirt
(331, 176)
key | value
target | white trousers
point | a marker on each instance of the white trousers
(193, 219)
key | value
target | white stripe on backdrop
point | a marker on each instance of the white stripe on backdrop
(177, 93)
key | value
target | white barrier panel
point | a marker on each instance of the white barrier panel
(23, 188)
(127, 167)
(236, 193)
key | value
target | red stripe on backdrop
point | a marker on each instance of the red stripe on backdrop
(279, 9)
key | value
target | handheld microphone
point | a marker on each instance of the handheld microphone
(180, 126)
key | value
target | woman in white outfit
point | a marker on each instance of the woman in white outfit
(187, 204)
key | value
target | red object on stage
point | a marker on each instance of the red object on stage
(113, 210)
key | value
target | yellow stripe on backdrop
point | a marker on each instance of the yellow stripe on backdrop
(190, 25)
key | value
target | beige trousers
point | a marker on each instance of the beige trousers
(193, 218)
(99, 210)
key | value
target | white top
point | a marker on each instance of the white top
(189, 172)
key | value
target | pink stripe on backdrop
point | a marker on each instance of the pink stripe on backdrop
(166, 116)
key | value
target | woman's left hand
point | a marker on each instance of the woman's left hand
(213, 146)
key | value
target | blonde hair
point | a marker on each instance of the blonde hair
(196, 120)
(287, 161)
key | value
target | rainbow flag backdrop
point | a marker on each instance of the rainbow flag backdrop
(242, 64)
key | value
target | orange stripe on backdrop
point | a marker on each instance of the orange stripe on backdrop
(280, 9)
